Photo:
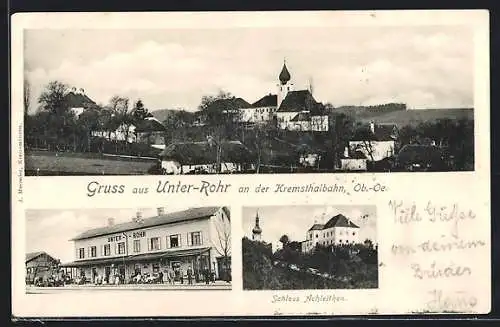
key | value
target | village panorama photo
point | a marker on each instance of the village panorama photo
(248, 100)
(124, 249)
(310, 247)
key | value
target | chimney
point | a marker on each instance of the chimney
(111, 222)
(160, 211)
(372, 127)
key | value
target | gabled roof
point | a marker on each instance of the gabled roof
(198, 153)
(339, 221)
(316, 227)
(270, 100)
(414, 153)
(149, 124)
(301, 116)
(33, 255)
(78, 100)
(382, 132)
(297, 101)
(228, 104)
(169, 218)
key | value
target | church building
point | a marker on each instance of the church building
(290, 109)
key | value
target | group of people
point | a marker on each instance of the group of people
(171, 276)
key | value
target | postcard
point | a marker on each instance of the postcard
(250, 163)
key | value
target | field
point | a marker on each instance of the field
(52, 163)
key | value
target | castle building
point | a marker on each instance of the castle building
(338, 230)
(256, 231)
(194, 238)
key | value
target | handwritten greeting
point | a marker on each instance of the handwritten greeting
(444, 263)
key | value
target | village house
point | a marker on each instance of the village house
(78, 101)
(151, 131)
(337, 231)
(261, 111)
(148, 131)
(39, 264)
(196, 238)
(202, 158)
(376, 142)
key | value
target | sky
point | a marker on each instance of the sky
(294, 221)
(51, 230)
(424, 66)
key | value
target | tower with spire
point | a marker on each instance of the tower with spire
(256, 231)
(284, 85)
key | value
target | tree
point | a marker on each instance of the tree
(221, 113)
(61, 121)
(26, 97)
(341, 130)
(139, 112)
(284, 239)
(223, 239)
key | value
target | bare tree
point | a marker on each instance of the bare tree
(222, 243)
(26, 96)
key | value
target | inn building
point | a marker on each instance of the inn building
(196, 238)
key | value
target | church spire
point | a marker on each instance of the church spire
(256, 231)
(284, 76)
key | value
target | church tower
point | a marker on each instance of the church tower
(284, 85)
(256, 231)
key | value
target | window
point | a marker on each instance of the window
(137, 246)
(81, 253)
(121, 248)
(340, 241)
(93, 251)
(175, 241)
(353, 233)
(154, 243)
(316, 235)
(107, 249)
(196, 238)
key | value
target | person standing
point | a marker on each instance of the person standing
(190, 276)
(160, 277)
(181, 274)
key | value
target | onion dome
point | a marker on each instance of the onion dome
(257, 229)
(284, 75)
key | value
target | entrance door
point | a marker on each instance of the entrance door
(94, 274)
(107, 272)
(121, 273)
(176, 266)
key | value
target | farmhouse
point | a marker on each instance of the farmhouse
(338, 230)
(78, 101)
(151, 131)
(202, 157)
(376, 142)
(196, 238)
(39, 264)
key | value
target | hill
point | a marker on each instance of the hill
(260, 273)
(416, 116)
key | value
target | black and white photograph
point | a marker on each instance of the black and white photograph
(310, 247)
(248, 100)
(127, 249)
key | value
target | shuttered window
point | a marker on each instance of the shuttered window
(107, 250)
